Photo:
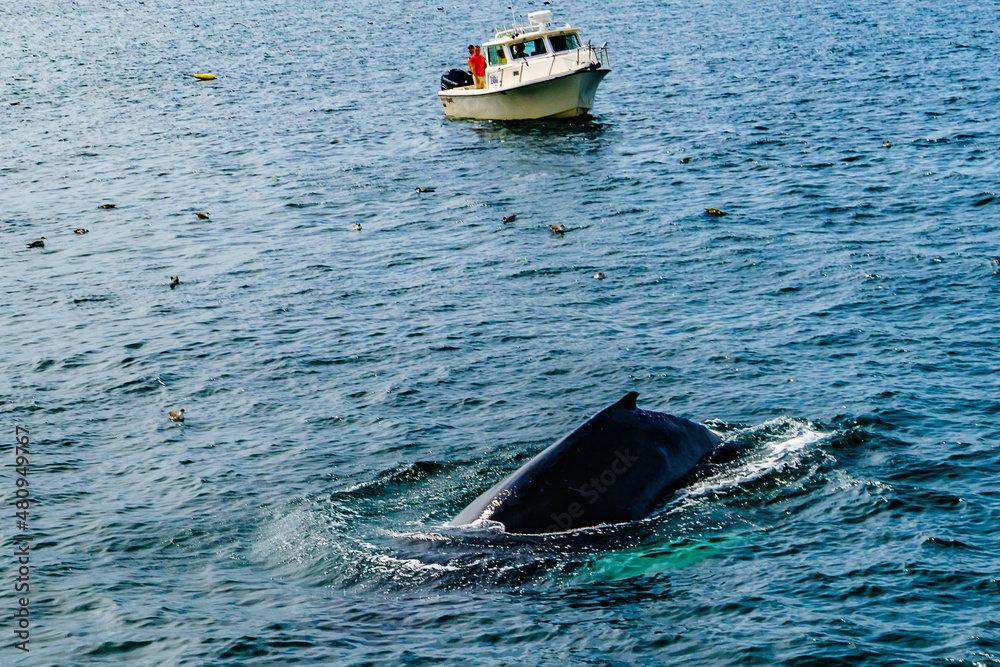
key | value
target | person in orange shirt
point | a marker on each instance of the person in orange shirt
(472, 54)
(477, 65)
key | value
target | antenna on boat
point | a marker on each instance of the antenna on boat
(513, 20)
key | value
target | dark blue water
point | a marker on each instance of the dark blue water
(347, 392)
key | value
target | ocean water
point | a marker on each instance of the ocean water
(347, 392)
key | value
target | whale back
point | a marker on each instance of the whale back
(616, 467)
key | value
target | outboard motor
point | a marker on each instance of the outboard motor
(455, 78)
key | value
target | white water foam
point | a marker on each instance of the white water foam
(394, 564)
(785, 451)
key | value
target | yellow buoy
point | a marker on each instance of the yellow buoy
(204, 77)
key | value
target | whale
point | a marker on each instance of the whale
(617, 467)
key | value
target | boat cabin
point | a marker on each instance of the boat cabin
(521, 54)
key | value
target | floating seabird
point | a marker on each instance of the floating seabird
(80, 230)
(600, 275)
(203, 216)
(176, 415)
(886, 144)
(106, 206)
(714, 211)
(558, 229)
(175, 281)
(425, 189)
(510, 218)
(40, 243)
(357, 226)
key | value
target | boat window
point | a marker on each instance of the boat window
(534, 47)
(564, 42)
(496, 55)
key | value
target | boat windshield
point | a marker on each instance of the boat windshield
(564, 42)
(533, 47)
(496, 55)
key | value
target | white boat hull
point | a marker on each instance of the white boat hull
(562, 96)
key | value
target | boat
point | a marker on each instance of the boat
(533, 71)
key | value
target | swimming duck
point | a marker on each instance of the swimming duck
(80, 230)
(175, 281)
(106, 206)
(886, 144)
(425, 189)
(714, 211)
(357, 226)
(510, 218)
(176, 415)
(40, 243)
(558, 229)
(203, 216)
(600, 275)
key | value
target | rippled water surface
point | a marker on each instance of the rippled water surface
(347, 392)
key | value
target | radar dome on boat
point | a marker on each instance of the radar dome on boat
(544, 16)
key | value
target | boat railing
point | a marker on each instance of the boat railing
(504, 70)
(584, 54)
(593, 53)
(600, 54)
(566, 56)
(516, 30)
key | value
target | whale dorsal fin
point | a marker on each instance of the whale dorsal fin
(627, 402)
